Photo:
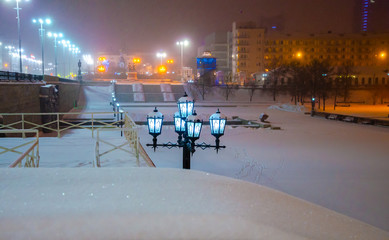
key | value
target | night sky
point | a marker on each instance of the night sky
(148, 26)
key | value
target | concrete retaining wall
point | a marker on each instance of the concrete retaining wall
(25, 98)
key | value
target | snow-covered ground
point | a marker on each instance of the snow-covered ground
(338, 165)
(149, 203)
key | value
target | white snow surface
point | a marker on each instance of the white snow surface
(148, 203)
(337, 165)
(288, 108)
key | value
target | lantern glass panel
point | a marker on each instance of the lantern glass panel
(215, 126)
(222, 126)
(158, 125)
(151, 125)
(179, 124)
(190, 108)
(190, 126)
(197, 129)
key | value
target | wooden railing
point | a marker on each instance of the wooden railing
(31, 156)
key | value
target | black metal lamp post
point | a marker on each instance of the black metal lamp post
(188, 126)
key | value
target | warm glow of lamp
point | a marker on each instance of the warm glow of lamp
(136, 60)
(101, 69)
(299, 55)
(170, 61)
(162, 69)
(102, 59)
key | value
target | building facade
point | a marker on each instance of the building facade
(247, 50)
(219, 45)
(367, 53)
(255, 51)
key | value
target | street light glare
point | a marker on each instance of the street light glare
(161, 55)
(48, 21)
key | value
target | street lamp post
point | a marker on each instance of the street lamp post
(55, 35)
(188, 127)
(42, 35)
(182, 44)
(20, 41)
(1, 56)
(161, 55)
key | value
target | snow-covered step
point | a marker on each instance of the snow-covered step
(139, 95)
(167, 93)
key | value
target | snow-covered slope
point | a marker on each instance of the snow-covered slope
(146, 203)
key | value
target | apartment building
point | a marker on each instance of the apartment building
(254, 51)
(368, 53)
(247, 50)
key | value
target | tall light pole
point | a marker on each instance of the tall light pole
(1, 55)
(20, 41)
(42, 35)
(161, 55)
(182, 44)
(55, 36)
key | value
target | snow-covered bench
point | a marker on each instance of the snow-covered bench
(332, 117)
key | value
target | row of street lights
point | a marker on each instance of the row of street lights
(65, 43)
(181, 44)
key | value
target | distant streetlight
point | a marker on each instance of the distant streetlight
(55, 36)
(161, 55)
(20, 41)
(47, 21)
(182, 44)
(299, 55)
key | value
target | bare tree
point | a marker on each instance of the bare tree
(298, 77)
(319, 86)
(204, 84)
(345, 75)
(251, 87)
(229, 86)
(278, 69)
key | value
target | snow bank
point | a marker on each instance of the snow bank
(144, 203)
(288, 108)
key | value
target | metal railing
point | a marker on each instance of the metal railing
(15, 76)
(59, 123)
(30, 156)
(131, 136)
